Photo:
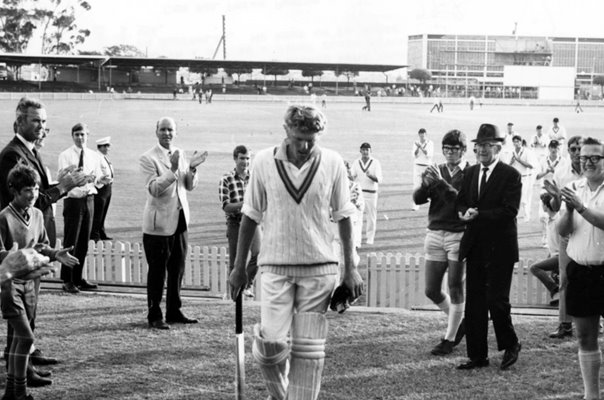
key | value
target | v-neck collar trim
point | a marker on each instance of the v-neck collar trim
(365, 166)
(298, 193)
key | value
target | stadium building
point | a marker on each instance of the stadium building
(484, 64)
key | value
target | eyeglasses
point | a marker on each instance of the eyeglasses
(450, 149)
(593, 159)
(574, 148)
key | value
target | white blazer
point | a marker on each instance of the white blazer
(166, 191)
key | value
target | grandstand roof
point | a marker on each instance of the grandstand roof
(134, 62)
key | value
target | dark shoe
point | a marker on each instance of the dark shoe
(24, 397)
(106, 238)
(181, 320)
(443, 348)
(38, 359)
(35, 380)
(159, 324)
(461, 332)
(70, 288)
(85, 285)
(565, 329)
(510, 356)
(472, 364)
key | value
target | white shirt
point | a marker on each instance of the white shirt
(558, 134)
(92, 166)
(421, 158)
(359, 173)
(489, 171)
(295, 206)
(106, 167)
(586, 242)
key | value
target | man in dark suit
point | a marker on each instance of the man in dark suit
(30, 125)
(488, 201)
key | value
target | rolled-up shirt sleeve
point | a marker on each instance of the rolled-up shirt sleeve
(340, 203)
(254, 200)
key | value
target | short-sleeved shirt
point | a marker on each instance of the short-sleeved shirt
(295, 206)
(586, 242)
(231, 190)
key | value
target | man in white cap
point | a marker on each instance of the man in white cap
(103, 196)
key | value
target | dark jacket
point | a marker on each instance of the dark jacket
(15, 152)
(493, 235)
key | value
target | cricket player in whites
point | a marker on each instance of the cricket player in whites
(293, 190)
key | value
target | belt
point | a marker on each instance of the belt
(369, 191)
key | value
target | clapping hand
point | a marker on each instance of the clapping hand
(198, 158)
(65, 258)
(569, 196)
(469, 215)
(552, 188)
(174, 159)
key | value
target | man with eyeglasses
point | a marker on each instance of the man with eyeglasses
(568, 171)
(582, 221)
(29, 126)
(488, 203)
(439, 186)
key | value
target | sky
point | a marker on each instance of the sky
(346, 31)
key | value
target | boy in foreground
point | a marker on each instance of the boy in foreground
(22, 227)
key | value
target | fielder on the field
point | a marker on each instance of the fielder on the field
(294, 190)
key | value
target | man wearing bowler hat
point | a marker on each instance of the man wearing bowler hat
(488, 201)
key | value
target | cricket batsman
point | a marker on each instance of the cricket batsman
(294, 189)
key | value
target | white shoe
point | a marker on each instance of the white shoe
(369, 242)
(248, 293)
(415, 207)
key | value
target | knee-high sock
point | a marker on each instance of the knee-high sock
(445, 305)
(272, 356)
(309, 331)
(455, 317)
(590, 362)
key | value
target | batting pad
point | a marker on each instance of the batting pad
(309, 331)
(272, 356)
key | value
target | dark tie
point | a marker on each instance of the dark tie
(81, 162)
(483, 182)
(26, 216)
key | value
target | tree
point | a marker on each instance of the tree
(60, 33)
(599, 80)
(55, 19)
(311, 73)
(274, 71)
(420, 74)
(17, 25)
(237, 71)
(349, 75)
(123, 50)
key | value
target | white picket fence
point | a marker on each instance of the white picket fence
(398, 280)
(392, 280)
(125, 263)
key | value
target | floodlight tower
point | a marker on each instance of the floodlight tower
(221, 41)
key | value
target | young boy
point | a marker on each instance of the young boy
(22, 227)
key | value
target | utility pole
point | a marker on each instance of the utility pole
(221, 41)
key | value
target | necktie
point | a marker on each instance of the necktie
(81, 162)
(110, 167)
(483, 182)
(26, 216)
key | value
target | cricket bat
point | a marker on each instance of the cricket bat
(240, 349)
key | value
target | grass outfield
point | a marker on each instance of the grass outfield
(107, 352)
(219, 127)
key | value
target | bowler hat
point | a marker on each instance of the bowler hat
(488, 133)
